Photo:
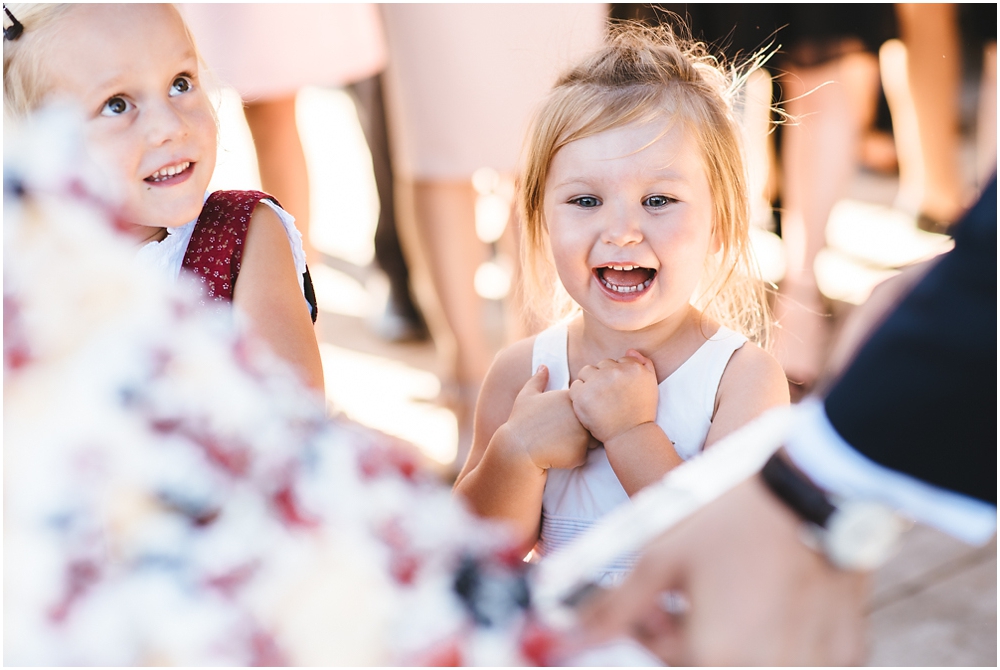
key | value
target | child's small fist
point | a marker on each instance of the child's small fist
(546, 427)
(615, 395)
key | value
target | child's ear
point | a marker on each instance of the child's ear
(715, 244)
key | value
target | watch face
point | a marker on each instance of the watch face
(861, 535)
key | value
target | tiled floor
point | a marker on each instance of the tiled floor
(934, 604)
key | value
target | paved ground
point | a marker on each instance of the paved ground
(934, 604)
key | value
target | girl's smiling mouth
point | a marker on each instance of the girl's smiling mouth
(625, 280)
(170, 173)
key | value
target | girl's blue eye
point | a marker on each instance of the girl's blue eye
(586, 201)
(180, 86)
(116, 106)
(657, 201)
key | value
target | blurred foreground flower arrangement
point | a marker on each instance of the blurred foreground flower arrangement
(173, 495)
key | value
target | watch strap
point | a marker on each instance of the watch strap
(797, 491)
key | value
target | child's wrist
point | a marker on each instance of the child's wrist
(629, 434)
(511, 449)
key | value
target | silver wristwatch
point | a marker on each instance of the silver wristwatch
(853, 534)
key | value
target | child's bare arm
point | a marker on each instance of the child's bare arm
(752, 383)
(520, 432)
(268, 292)
(498, 479)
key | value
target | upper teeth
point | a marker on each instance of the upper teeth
(623, 268)
(170, 171)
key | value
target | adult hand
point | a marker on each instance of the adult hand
(544, 425)
(756, 594)
(615, 395)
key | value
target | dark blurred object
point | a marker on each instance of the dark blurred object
(927, 377)
(809, 34)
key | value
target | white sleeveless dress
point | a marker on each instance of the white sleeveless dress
(575, 499)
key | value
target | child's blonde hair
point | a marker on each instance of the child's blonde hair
(24, 81)
(644, 74)
(24, 85)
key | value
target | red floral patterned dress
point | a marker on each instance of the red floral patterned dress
(215, 251)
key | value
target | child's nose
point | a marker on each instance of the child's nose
(623, 228)
(165, 123)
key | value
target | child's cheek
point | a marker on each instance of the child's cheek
(109, 157)
(208, 133)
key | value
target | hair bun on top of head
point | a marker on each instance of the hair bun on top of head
(14, 30)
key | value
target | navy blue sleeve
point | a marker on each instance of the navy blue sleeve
(920, 396)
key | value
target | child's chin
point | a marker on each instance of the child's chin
(161, 221)
(161, 212)
(181, 215)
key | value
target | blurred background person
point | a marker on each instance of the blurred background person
(932, 187)
(461, 82)
(923, 74)
(328, 45)
(830, 89)
(320, 45)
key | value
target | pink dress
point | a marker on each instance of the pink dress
(463, 79)
(270, 51)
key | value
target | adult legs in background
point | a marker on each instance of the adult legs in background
(440, 238)
(921, 76)
(934, 68)
(402, 320)
(519, 322)
(905, 129)
(831, 103)
(755, 124)
(282, 161)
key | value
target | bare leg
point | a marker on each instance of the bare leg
(439, 235)
(282, 161)
(905, 130)
(755, 119)
(832, 103)
(930, 32)
(402, 320)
